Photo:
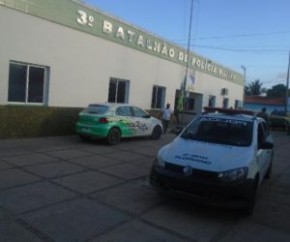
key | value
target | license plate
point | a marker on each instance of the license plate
(85, 129)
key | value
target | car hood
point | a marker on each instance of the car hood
(204, 155)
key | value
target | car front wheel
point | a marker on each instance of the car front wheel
(156, 133)
(114, 136)
(251, 203)
(269, 171)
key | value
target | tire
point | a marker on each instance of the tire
(249, 209)
(114, 136)
(269, 171)
(156, 133)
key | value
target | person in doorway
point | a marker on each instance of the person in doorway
(166, 117)
(263, 114)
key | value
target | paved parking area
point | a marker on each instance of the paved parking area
(61, 189)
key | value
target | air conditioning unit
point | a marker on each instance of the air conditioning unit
(224, 91)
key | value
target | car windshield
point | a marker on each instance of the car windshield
(96, 109)
(220, 131)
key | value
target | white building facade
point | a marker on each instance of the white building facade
(67, 54)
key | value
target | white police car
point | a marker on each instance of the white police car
(220, 158)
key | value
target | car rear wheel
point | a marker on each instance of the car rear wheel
(156, 133)
(114, 136)
(251, 203)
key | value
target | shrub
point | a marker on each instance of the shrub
(34, 121)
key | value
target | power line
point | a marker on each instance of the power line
(240, 50)
(239, 35)
(235, 49)
(243, 35)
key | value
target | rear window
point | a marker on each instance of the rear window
(96, 109)
(220, 131)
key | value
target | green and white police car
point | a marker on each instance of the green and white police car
(220, 158)
(113, 121)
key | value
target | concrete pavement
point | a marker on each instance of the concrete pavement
(62, 189)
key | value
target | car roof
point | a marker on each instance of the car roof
(107, 104)
(112, 105)
(237, 114)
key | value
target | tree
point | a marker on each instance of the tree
(254, 88)
(277, 91)
(247, 91)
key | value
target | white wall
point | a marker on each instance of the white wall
(211, 86)
(81, 65)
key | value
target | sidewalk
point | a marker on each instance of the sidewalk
(62, 189)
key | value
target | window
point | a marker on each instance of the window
(118, 91)
(238, 104)
(265, 128)
(27, 83)
(211, 101)
(138, 112)
(189, 104)
(224, 91)
(158, 97)
(225, 103)
(220, 131)
(96, 109)
(124, 111)
(261, 135)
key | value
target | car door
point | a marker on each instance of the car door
(263, 155)
(125, 121)
(143, 126)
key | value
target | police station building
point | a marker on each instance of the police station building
(66, 54)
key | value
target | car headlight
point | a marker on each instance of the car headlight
(159, 161)
(234, 175)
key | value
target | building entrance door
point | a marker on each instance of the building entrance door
(192, 106)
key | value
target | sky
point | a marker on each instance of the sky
(254, 34)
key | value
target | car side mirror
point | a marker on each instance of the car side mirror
(267, 145)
